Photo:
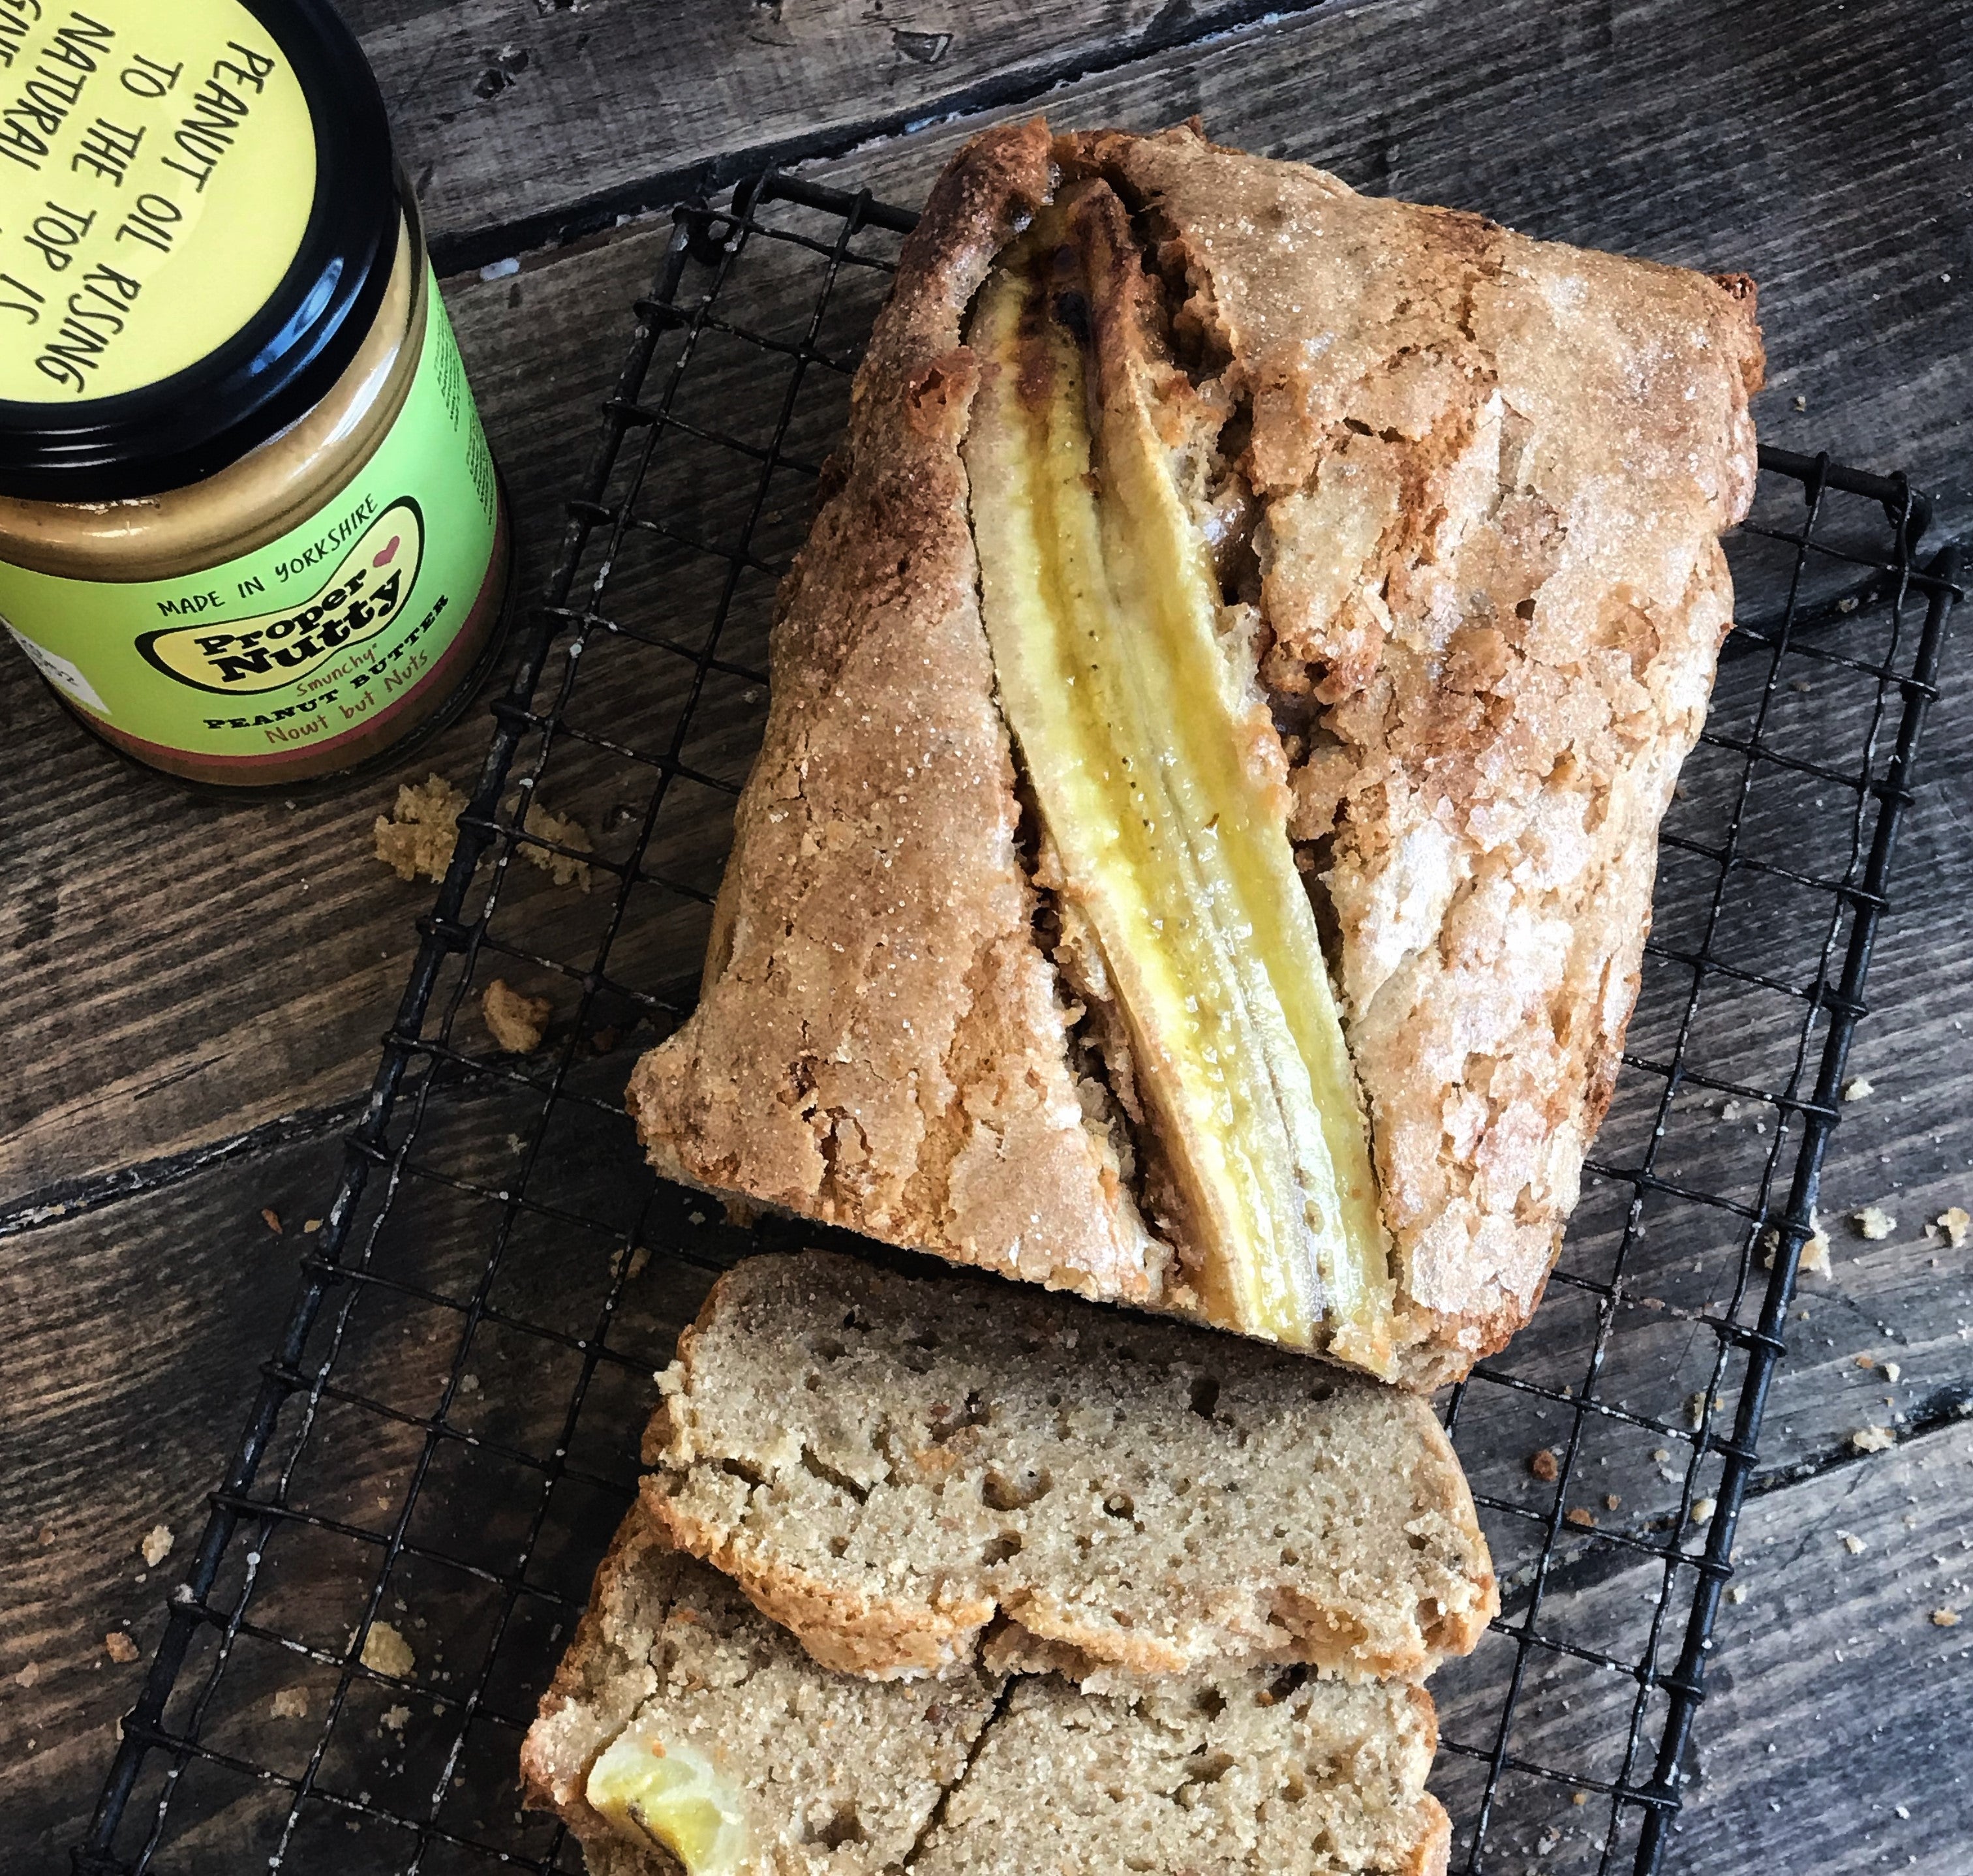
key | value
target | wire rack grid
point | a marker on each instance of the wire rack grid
(446, 1436)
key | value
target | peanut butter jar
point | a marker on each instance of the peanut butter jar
(251, 532)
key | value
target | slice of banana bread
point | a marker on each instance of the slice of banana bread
(805, 1773)
(886, 1464)
(824, 1772)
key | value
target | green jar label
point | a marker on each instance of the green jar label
(310, 638)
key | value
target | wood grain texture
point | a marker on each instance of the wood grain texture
(172, 994)
(521, 124)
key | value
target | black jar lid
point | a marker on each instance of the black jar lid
(269, 370)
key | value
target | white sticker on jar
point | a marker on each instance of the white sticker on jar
(63, 675)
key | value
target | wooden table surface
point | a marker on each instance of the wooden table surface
(193, 994)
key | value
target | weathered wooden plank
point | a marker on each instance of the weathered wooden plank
(180, 973)
(135, 1340)
(297, 1025)
(130, 1372)
(519, 126)
(1833, 1700)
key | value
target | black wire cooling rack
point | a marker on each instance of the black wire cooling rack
(446, 1436)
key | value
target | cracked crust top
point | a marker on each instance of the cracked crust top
(1481, 479)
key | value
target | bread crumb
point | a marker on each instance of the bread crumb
(271, 1219)
(1611, 1501)
(419, 835)
(393, 1718)
(1874, 1222)
(1580, 1797)
(1857, 1088)
(1852, 1543)
(1581, 1516)
(1954, 1222)
(386, 1652)
(1873, 1439)
(1545, 1466)
(640, 1259)
(47, 1534)
(1892, 1371)
(469, 1383)
(1946, 1618)
(156, 1546)
(29, 1675)
(120, 1647)
(1814, 1258)
(310, 1227)
(1703, 1510)
(1738, 1593)
(1867, 1361)
(291, 1702)
(1695, 1407)
(565, 831)
(516, 1023)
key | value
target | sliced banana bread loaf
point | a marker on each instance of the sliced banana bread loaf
(885, 1464)
(685, 1731)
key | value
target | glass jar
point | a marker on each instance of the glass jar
(251, 532)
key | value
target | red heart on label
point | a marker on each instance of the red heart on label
(390, 553)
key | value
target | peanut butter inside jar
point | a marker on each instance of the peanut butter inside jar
(251, 533)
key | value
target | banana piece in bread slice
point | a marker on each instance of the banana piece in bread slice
(685, 1733)
(1202, 847)
(902, 1470)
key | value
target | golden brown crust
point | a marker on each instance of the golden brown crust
(878, 1042)
(1484, 478)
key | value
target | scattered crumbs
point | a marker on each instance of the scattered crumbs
(565, 831)
(1703, 1510)
(1873, 1439)
(291, 1702)
(469, 1383)
(1852, 1543)
(1874, 1222)
(310, 1227)
(516, 1022)
(640, 1259)
(1661, 1455)
(156, 1546)
(1892, 1371)
(1611, 1501)
(1581, 1516)
(120, 1647)
(1857, 1088)
(418, 835)
(1954, 1224)
(386, 1652)
(1545, 1466)
(393, 1719)
(1946, 1618)
(1729, 1110)
(271, 1219)
(1738, 1593)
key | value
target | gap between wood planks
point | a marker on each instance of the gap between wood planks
(1174, 28)
(74, 1198)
